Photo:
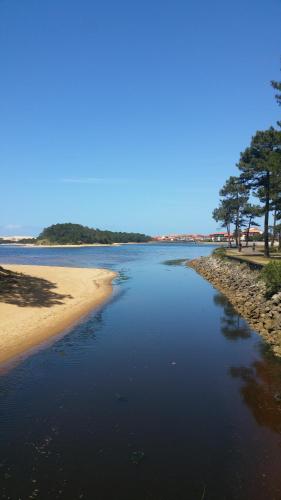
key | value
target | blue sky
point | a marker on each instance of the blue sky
(130, 115)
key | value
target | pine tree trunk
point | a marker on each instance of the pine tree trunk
(228, 235)
(237, 222)
(238, 229)
(266, 214)
(236, 232)
(273, 229)
(248, 231)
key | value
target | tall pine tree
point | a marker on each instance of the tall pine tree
(259, 163)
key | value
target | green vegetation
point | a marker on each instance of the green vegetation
(235, 209)
(260, 177)
(12, 242)
(277, 86)
(219, 253)
(271, 274)
(260, 165)
(7, 242)
(26, 241)
(76, 234)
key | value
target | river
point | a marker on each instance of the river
(164, 393)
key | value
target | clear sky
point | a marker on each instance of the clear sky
(130, 115)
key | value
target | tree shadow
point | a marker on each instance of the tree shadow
(233, 327)
(24, 290)
(261, 389)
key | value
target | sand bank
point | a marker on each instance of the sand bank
(38, 302)
(82, 245)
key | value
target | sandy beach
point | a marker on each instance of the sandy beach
(38, 302)
(82, 245)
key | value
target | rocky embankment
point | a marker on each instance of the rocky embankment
(247, 294)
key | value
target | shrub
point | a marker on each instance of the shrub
(271, 275)
(219, 253)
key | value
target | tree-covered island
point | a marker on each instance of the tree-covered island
(76, 234)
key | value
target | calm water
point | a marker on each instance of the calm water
(163, 394)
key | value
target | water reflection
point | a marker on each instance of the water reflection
(261, 389)
(84, 332)
(233, 327)
(261, 380)
(128, 406)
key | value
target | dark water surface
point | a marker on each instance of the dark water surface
(163, 394)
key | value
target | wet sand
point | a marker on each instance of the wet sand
(38, 302)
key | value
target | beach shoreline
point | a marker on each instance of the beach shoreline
(33, 245)
(90, 245)
(39, 302)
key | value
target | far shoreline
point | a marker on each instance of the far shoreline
(68, 245)
(90, 245)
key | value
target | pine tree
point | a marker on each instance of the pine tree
(236, 194)
(258, 164)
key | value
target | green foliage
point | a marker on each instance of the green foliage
(235, 191)
(250, 212)
(261, 158)
(5, 242)
(256, 237)
(234, 199)
(260, 176)
(219, 253)
(224, 213)
(260, 165)
(75, 234)
(271, 275)
(277, 86)
(26, 241)
(12, 242)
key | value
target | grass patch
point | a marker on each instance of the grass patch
(219, 253)
(271, 275)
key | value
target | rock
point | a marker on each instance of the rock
(268, 325)
(276, 298)
(247, 293)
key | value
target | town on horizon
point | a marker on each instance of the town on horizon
(219, 236)
(212, 237)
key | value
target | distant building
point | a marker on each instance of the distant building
(221, 236)
(182, 237)
(253, 231)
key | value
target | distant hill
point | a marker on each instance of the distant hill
(76, 234)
